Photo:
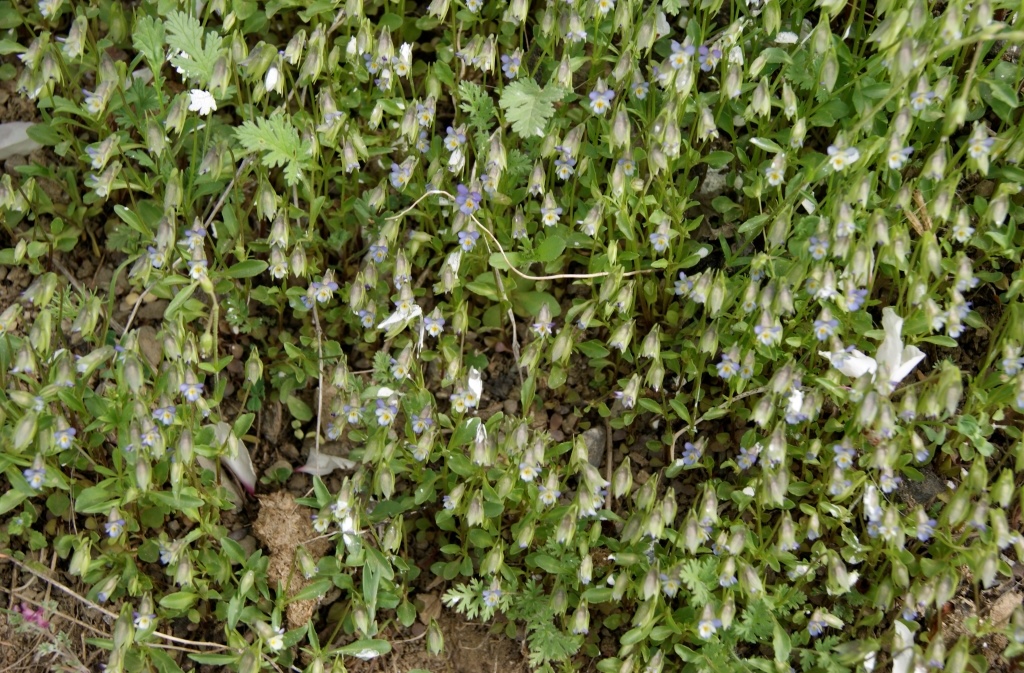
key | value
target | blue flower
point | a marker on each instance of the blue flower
(565, 166)
(844, 456)
(549, 215)
(691, 454)
(468, 202)
(767, 334)
(680, 55)
(818, 247)
(816, 626)
(352, 413)
(659, 240)
(455, 139)
(424, 114)
(165, 415)
(64, 438)
(640, 89)
(684, 285)
(601, 101)
(926, 528)
(191, 391)
(35, 477)
(434, 326)
(510, 65)
(708, 57)
(544, 329)
(628, 166)
(378, 253)
(467, 239)
(491, 597)
(727, 368)
(114, 528)
(748, 457)
(324, 291)
(823, 329)
(855, 299)
(423, 143)
(400, 176)
(366, 318)
(386, 413)
(157, 257)
(1012, 366)
(421, 424)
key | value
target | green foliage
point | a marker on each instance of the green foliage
(529, 107)
(673, 336)
(279, 142)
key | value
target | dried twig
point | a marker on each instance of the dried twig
(82, 599)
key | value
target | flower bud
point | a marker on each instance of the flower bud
(435, 638)
(80, 559)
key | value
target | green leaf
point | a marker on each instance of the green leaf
(278, 139)
(529, 107)
(550, 249)
(941, 340)
(44, 134)
(718, 159)
(366, 645)
(299, 410)
(162, 661)
(781, 643)
(247, 269)
(185, 34)
(182, 600)
(10, 500)
(312, 591)
(95, 499)
(148, 40)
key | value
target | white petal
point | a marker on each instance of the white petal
(796, 401)
(475, 383)
(854, 363)
(240, 463)
(320, 463)
(889, 351)
(903, 648)
(911, 357)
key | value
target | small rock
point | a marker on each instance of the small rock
(152, 311)
(150, 346)
(511, 407)
(595, 439)
(248, 544)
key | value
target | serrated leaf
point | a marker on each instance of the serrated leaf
(529, 107)
(148, 40)
(199, 53)
(279, 142)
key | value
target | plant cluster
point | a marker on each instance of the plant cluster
(772, 245)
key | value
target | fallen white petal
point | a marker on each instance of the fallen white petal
(903, 648)
(240, 463)
(475, 383)
(912, 356)
(853, 363)
(796, 401)
(14, 140)
(320, 463)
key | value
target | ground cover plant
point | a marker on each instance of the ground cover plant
(658, 336)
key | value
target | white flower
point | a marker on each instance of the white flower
(786, 37)
(851, 362)
(796, 401)
(366, 654)
(273, 78)
(202, 102)
(892, 357)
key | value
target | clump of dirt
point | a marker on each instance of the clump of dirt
(468, 648)
(283, 526)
